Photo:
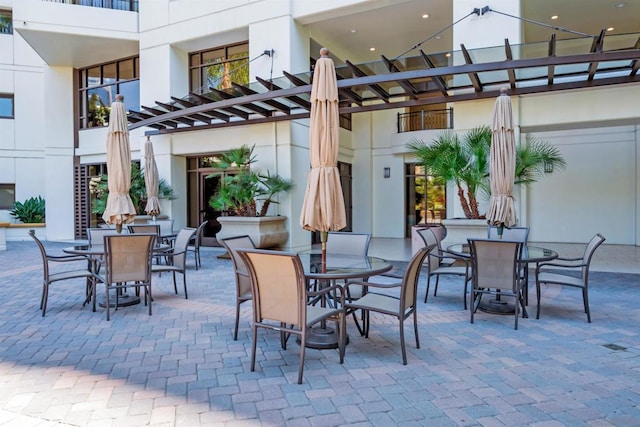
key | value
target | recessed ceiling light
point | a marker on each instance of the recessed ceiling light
(353, 30)
(438, 37)
(447, 55)
(425, 16)
(610, 28)
(554, 17)
(621, 5)
(372, 49)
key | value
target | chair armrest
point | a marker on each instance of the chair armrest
(66, 258)
(554, 264)
(373, 284)
(329, 290)
(446, 254)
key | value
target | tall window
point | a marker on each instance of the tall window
(6, 22)
(6, 106)
(99, 85)
(218, 67)
(425, 198)
(7, 196)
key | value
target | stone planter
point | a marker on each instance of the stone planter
(460, 229)
(265, 231)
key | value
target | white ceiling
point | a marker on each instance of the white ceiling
(397, 26)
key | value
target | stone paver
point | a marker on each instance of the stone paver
(182, 367)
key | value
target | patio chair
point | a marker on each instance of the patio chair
(177, 257)
(280, 297)
(496, 272)
(195, 242)
(400, 306)
(144, 228)
(48, 277)
(243, 282)
(439, 263)
(514, 234)
(562, 271)
(95, 236)
(167, 235)
(127, 260)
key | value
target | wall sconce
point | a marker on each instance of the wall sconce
(387, 172)
(548, 167)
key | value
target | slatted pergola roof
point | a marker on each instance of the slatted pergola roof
(423, 79)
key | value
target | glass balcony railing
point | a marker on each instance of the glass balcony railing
(130, 5)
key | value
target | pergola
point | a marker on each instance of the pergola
(424, 79)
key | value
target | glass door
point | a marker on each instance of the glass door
(425, 198)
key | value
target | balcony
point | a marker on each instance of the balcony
(425, 120)
(130, 5)
(64, 34)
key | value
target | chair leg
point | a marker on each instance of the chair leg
(147, 294)
(517, 310)
(45, 297)
(435, 289)
(175, 286)
(184, 284)
(235, 329)
(303, 344)
(585, 299)
(355, 320)
(106, 301)
(402, 343)
(466, 286)
(415, 327)
(254, 332)
(537, 298)
(426, 294)
(341, 324)
(473, 303)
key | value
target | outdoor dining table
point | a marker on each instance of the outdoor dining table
(338, 267)
(94, 253)
(530, 254)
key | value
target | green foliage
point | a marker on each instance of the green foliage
(465, 161)
(242, 187)
(99, 187)
(29, 212)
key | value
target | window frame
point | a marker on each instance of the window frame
(226, 56)
(10, 97)
(109, 76)
(11, 189)
(6, 21)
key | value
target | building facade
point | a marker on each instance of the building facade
(62, 62)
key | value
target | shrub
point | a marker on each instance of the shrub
(30, 211)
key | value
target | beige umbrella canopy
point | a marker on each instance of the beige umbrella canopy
(151, 180)
(323, 207)
(502, 164)
(119, 209)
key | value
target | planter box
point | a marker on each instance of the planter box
(460, 229)
(266, 231)
(16, 232)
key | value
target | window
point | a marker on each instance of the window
(7, 196)
(218, 67)
(99, 85)
(425, 198)
(6, 22)
(6, 106)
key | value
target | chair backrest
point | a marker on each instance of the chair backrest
(197, 238)
(278, 285)
(43, 253)
(144, 228)
(180, 246)
(411, 275)
(348, 243)
(591, 247)
(514, 234)
(430, 239)
(166, 226)
(495, 263)
(232, 244)
(128, 257)
(96, 235)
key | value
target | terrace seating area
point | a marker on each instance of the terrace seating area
(182, 365)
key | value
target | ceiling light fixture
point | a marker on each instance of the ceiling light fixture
(425, 16)
(621, 5)
(554, 17)
(353, 30)
(372, 49)
(611, 28)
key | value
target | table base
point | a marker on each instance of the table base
(497, 307)
(125, 300)
(322, 338)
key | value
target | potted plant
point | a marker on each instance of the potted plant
(31, 211)
(99, 187)
(245, 195)
(464, 160)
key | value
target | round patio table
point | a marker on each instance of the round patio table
(337, 267)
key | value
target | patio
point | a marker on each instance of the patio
(181, 365)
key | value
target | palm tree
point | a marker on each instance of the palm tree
(465, 161)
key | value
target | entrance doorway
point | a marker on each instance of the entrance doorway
(425, 198)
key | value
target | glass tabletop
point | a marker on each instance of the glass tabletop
(529, 253)
(341, 266)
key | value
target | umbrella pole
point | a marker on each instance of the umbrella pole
(500, 230)
(119, 228)
(324, 235)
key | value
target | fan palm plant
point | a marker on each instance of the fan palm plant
(464, 160)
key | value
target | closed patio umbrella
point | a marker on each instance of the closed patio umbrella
(119, 209)
(151, 180)
(323, 207)
(502, 165)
